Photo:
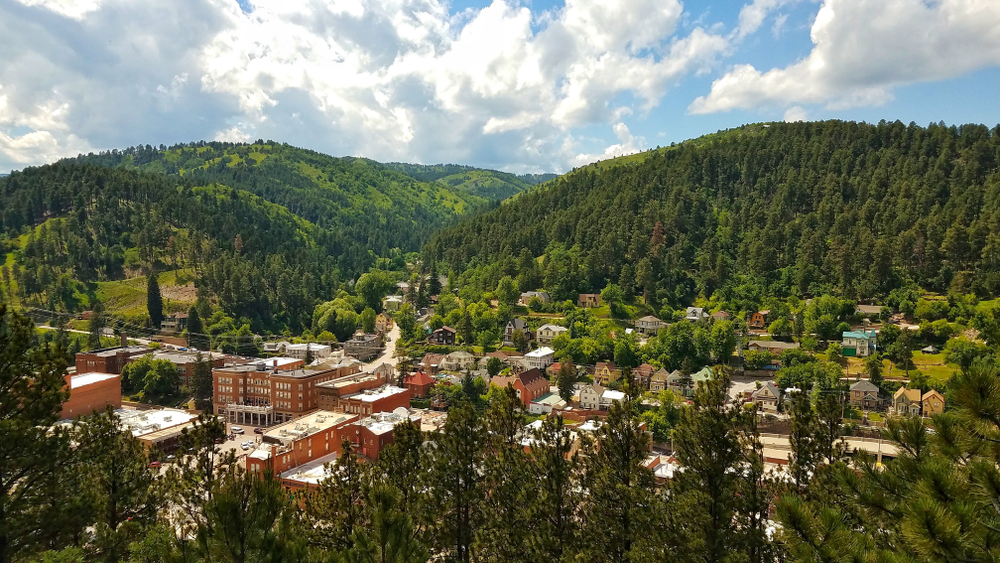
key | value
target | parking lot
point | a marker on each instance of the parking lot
(247, 436)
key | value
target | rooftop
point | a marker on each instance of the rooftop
(372, 395)
(310, 473)
(108, 352)
(610, 395)
(860, 334)
(141, 423)
(312, 423)
(383, 422)
(83, 379)
(341, 382)
(540, 353)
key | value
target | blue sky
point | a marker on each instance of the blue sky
(519, 85)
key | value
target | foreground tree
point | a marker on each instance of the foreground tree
(34, 459)
(154, 301)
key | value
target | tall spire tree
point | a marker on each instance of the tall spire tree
(154, 301)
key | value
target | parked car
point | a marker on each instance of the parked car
(154, 464)
(258, 430)
(244, 446)
(236, 430)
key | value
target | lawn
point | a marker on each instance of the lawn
(931, 365)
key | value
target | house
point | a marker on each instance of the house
(363, 346)
(540, 358)
(547, 333)
(609, 397)
(444, 336)
(513, 326)
(458, 361)
(720, 316)
(392, 303)
(606, 373)
(527, 296)
(649, 325)
(383, 323)
(641, 375)
(589, 300)
(933, 403)
(658, 381)
(906, 401)
(546, 404)
(930, 349)
(419, 384)
(696, 315)
(864, 395)
(553, 370)
(530, 385)
(508, 358)
(775, 347)
(90, 393)
(685, 385)
(758, 320)
(590, 397)
(869, 311)
(767, 397)
(176, 323)
(859, 343)
(431, 363)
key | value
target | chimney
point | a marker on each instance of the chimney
(124, 340)
(275, 364)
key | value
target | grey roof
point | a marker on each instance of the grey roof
(865, 386)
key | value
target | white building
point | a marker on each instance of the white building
(547, 333)
(540, 358)
(298, 351)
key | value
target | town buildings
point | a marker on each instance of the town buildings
(864, 395)
(91, 392)
(364, 346)
(298, 442)
(547, 333)
(444, 336)
(513, 326)
(530, 385)
(907, 401)
(606, 373)
(540, 358)
(589, 300)
(330, 394)
(300, 351)
(175, 323)
(383, 399)
(696, 315)
(109, 360)
(860, 343)
(649, 325)
(527, 296)
(759, 319)
(419, 384)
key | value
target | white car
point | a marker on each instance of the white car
(245, 446)
(236, 430)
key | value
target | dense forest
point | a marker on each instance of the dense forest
(782, 209)
(266, 230)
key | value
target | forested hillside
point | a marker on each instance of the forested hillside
(779, 209)
(485, 183)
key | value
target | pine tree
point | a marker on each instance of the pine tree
(202, 382)
(196, 336)
(36, 458)
(154, 301)
(434, 281)
(554, 534)
(618, 488)
(97, 323)
(566, 379)
(336, 510)
(389, 537)
(456, 483)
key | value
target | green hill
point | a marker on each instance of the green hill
(491, 184)
(772, 209)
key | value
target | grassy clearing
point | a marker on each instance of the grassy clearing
(931, 365)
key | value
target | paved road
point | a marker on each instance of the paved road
(389, 354)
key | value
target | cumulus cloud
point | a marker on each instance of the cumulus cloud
(389, 79)
(627, 144)
(863, 49)
(795, 113)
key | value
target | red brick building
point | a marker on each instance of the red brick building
(331, 392)
(529, 385)
(419, 384)
(91, 392)
(373, 434)
(277, 390)
(109, 360)
(384, 399)
(298, 442)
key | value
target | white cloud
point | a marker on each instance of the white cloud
(863, 49)
(627, 144)
(752, 16)
(388, 79)
(795, 113)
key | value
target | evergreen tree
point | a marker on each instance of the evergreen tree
(154, 301)
(97, 323)
(309, 354)
(36, 458)
(434, 281)
(389, 537)
(201, 381)
(336, 510)
(618, 488)
(196, 336)
(554, 532)
(566, 379)
(456, 483)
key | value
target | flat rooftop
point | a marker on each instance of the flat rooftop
(108, 352)
(308, 425)
(346, 380)
(270, 364)
(141, 423)
(310, 473)
(383, 422)
(372, 395)
(89, 378)
(178, 357)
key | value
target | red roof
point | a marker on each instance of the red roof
(419, 378)
(533, 379)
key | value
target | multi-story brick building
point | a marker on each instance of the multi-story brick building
(108, 360)
(90, 393)
(331, 392)
(298, 442)
(371, 435)
(186, 361)
(278, 390)
(370, 401)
